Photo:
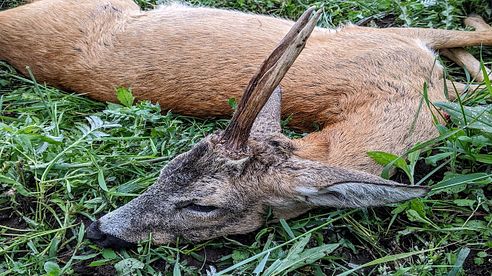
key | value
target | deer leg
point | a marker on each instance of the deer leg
(464, 59)
(483, 32)
(477, 22)
(441, 39)
(445, 39)
(459, 88)
(451, 39)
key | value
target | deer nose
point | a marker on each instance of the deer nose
(102, 239)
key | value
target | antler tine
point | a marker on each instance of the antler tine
(266, 79)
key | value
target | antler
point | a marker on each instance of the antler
(266, 79)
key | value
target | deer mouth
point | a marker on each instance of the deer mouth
(102, 239)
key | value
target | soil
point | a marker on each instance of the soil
(472, 269)
(8, 216)
(84, 269)
(10, 219)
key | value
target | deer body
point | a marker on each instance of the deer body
(361, 85)
(191, 60)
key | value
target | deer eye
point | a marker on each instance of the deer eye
(199, 208)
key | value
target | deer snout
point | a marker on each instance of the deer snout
(102, 239)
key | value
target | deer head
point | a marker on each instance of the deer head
(226, 183)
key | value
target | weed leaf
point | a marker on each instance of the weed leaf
(473, 117)
(261, 266)
(388, 160)
(457, 182)
(125, 96)
(128, 266)
(52, 269)
(460, 260)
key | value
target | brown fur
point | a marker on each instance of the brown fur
(362, 86)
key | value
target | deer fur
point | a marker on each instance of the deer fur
(361, 86)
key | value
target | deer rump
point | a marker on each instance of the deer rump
(227, 181)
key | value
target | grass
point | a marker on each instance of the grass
(65, 160)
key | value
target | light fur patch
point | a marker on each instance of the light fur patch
(353, 195)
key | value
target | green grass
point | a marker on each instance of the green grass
(65, 160)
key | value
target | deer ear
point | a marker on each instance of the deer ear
(268, 120)
(321, 185)
(359, 194)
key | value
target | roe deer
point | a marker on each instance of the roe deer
(361, 85)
